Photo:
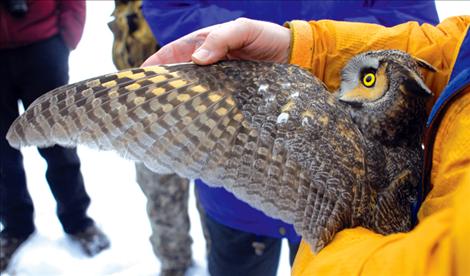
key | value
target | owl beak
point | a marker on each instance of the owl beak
(346, 99)
(355, 104)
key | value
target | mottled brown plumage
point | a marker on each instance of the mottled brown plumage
(270, 133)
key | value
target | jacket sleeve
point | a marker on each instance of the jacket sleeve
(71, 21)
(439, 244)
(316, 44)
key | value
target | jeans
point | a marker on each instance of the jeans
(25, 74)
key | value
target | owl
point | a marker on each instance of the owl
(270, 133)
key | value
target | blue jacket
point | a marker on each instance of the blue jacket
(459, 80)
(170, 20)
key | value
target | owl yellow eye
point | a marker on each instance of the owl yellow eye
(368, 80)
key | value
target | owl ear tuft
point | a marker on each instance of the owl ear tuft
(424, 64)
(416, 86)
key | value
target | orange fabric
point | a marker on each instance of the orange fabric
(301, 43)
(335, 42)
(440, 244)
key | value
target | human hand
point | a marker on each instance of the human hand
(239, 39)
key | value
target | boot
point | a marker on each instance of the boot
(8, 246)
(92, 240)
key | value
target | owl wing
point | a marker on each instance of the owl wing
(269, 133)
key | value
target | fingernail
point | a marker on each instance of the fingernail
(201, 55)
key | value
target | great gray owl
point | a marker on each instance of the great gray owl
(270, 133)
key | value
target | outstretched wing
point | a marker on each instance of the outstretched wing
(269, 133)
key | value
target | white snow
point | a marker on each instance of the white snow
(118, 205)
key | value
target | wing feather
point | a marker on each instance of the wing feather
(257, 129)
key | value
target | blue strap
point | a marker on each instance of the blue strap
(458, 79)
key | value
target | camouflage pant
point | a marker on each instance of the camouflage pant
(167, 195)
(167, 207)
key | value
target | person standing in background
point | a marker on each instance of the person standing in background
(167, 194)
(36, 38)
(244, 241)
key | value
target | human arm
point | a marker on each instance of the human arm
(239, 39)
(71, 21)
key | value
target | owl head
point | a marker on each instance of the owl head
(385, 93)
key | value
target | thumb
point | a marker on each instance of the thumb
(205, 56)
(214, 48)
(227, 37)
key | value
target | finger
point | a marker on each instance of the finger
(172, 53)
(179, 50)
(223, 39)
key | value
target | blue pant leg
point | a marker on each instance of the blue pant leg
(234, 252)
(16, 206)
(44, 67)
(66, 184)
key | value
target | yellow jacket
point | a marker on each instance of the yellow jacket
(440, 243)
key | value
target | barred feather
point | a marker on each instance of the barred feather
(269, 133)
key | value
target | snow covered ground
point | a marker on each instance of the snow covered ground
(118, 205)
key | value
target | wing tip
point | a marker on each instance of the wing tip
(28, 136)
(13, 139)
